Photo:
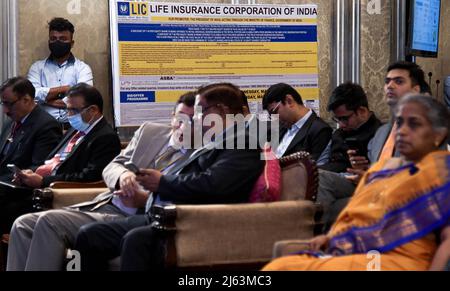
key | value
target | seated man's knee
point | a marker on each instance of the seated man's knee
(136, 237)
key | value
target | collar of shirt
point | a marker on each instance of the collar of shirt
(92, 126)
(25, 118)
(299, 124)
(290, 135)
(70, 61)
(174, 144)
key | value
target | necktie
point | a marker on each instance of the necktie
(166, 159)
(47, 169)
(389, 146)
(14, 130)
(163, 163)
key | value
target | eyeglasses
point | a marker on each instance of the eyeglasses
(8, 103)
(74, 111)
(204, 109)
(342, 119)
(183, 118)
(275, 109)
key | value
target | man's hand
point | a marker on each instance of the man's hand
(357, 175)
(29, 178)
(358, 162)
(53, 94)
(138, 200)
(128, 184)
(319, 243)
(149, 179)
(59, 104)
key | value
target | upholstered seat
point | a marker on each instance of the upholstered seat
(241, 236)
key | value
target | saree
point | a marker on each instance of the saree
(395, 211)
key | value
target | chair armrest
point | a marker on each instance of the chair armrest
(77, 185)
(287, 247)
(230, 235)
(50, 198)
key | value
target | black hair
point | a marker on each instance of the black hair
(349, 94)
(187, 99)
(61, 24)
(21, 87)
(89, 93)
(223, 93)
(416, 73)
(278, 92)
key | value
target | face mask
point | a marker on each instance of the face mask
(59, 49)
(76, 121)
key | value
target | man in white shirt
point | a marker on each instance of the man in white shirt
(53, 77)
(301, 128)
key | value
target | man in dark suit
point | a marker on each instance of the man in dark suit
(81, 156)
(30, 135)
(213, 174)
(302, 129)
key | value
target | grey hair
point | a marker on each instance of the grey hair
(437, 113)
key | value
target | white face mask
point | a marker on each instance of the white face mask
(76, 121)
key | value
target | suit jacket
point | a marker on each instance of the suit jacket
(88, 159)
(36, 138)
(213, 175)
(376, 145)
(143, 149)
(313, 137)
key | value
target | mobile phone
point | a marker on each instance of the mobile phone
(131, 167)
(13, 168)
(355, 144)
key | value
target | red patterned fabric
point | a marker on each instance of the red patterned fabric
(47, 169)
(268, 185)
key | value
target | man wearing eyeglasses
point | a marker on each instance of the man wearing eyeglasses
(82, 154)
(357, 125)
(402, 78)
(27, 139)
(54, 76)
(301, 128)
(29, 248)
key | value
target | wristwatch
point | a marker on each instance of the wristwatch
(61, 95)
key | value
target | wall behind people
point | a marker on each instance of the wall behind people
(93, 43)
(375, 55)
(91, 37)
(440, 66)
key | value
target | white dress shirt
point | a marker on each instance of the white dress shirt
(290, 135)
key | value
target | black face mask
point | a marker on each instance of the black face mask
(59, 49)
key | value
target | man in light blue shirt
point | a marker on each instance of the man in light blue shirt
(53, 77)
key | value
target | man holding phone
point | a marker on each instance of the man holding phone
(402, 78)
(149, 143)
(357, 125)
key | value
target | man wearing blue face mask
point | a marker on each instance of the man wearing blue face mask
(54, 76)
(84, 151)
